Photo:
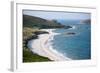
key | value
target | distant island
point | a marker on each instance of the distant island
(87, 21)
(31, 29)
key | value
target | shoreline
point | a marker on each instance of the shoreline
(44, 47)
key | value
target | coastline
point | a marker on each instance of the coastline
(44, 48)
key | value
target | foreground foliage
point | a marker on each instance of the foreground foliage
(28, 55)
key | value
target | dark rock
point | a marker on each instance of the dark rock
(40, 32)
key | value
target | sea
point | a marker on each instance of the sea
(75, 42)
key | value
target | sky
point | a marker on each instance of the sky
(50, 15)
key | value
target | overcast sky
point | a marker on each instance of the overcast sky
(58, 15)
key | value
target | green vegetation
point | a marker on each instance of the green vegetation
(36, 22)
(28, 56)
(31, 30)
(28, 34)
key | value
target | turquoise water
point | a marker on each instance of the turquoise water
(76, 46)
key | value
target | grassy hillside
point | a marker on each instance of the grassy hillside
(31, 29)
(28, 56)
(32, 21)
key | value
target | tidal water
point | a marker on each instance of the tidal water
(74, 43)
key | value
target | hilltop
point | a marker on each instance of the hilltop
(32, 21)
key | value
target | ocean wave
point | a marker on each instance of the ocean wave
(45, 48)
(49, 45)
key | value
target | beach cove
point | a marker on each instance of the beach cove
(54, 38)
(42, 46)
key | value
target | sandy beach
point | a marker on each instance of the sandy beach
(42, 46)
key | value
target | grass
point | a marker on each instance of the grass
(31, 30)
(28, 56)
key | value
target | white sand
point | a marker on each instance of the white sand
(42, 46)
